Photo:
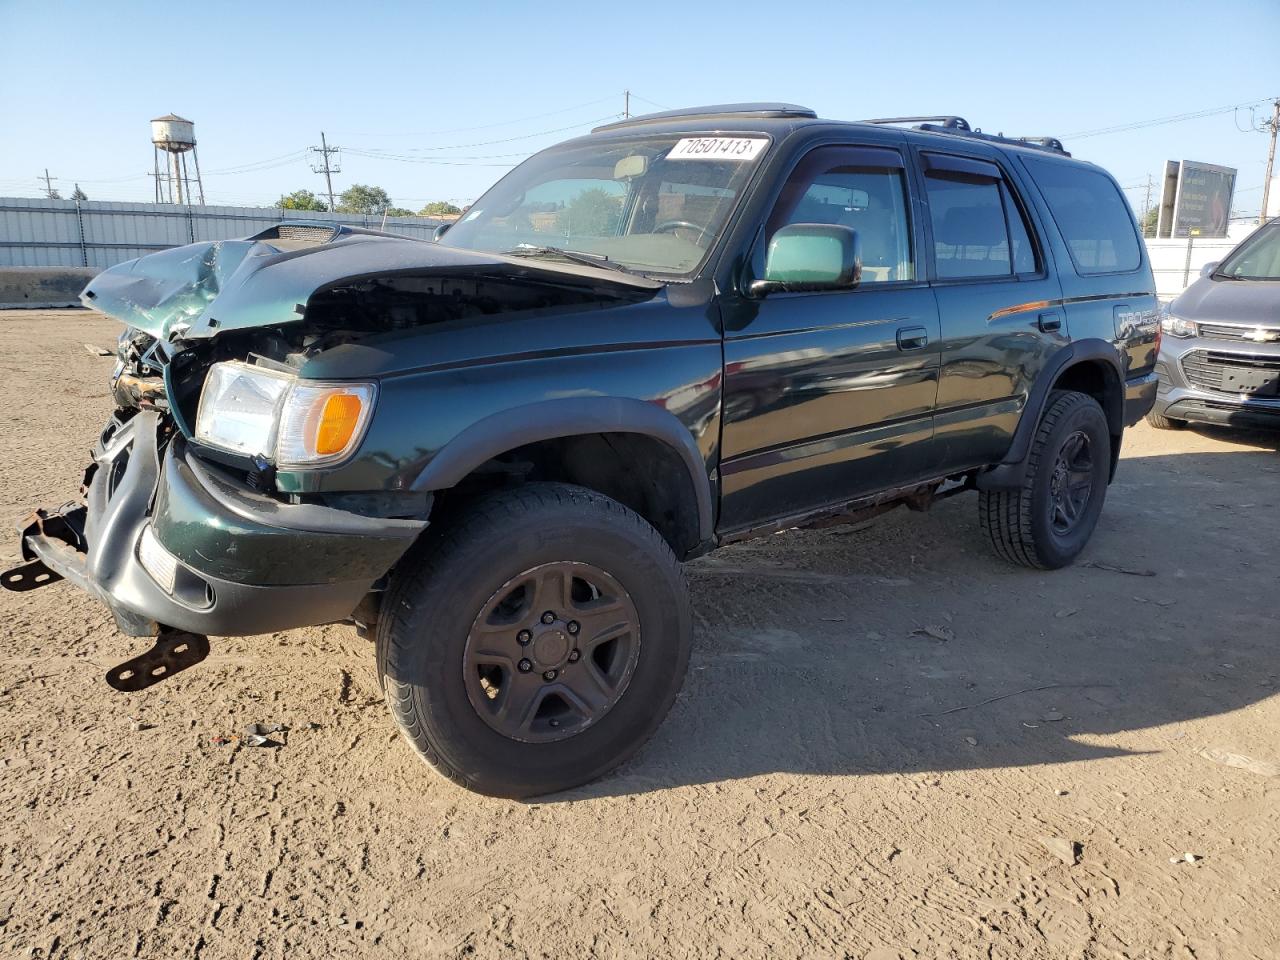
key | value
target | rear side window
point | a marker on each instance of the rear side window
(1092, 215)
(978, 227)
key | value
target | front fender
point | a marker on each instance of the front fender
(567, 417)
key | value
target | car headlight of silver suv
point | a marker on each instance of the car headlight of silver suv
(260, 411)
(1176, 326)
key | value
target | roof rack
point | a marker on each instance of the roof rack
(948, 122)
(750, 111)
(959, 126)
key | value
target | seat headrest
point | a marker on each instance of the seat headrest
(972, 227)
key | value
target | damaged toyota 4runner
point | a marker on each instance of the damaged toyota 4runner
(491, 452)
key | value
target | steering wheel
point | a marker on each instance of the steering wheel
(674, 225)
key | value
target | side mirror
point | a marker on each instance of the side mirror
(1208, 268)
(810, 257)
(441, 230)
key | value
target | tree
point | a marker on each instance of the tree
(1149, 222)
(399, 212)
(592, 213)
(360, 198)
(79, 194)
(439, 208)
(301, 200)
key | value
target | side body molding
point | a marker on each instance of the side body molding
(1012, 469)
(566, 417)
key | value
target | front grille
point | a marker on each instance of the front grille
(1225, 331)
(1212, 370)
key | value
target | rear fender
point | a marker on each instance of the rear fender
(1012, 470)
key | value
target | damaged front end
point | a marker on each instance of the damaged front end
(180, 527)
(179, 549)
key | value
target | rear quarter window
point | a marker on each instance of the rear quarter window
(1091, 214)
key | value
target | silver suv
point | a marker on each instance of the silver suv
(1220, 345)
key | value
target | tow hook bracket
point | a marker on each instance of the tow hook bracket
(174, 650)
(30, 576)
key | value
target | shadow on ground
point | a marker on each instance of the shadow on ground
(808, 660)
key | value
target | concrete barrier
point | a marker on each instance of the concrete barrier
(43, 286)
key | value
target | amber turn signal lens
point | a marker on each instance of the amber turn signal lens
(322, 422)
(338, 422)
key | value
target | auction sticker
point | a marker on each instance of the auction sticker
(718, 148)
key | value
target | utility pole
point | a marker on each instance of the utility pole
(1272, 126)
(325, 167)
(52, 194)
(1146, 206)
(626, 104)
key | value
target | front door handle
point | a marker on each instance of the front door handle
(912, 338)
(1049, 322)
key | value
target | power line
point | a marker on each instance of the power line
(652, 103)
(485, 126)
(1160, 121)
(251, 166)
(487, 143)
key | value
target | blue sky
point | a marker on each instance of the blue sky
(474, 87)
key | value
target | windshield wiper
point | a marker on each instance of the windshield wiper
(574, 256)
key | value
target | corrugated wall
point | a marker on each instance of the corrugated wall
(96, 233)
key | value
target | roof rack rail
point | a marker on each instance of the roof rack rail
(948, 122)
(959, 126)
(1049, 143)
(753, 111)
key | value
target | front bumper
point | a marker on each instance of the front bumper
(1180, 397)
(246, 563)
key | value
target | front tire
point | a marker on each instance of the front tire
(535, 643)
(1161, 422)
(1047, 521)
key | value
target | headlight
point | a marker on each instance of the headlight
(1178, 327)
(258, 411)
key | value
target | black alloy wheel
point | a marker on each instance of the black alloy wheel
(551, 652)
(1071, 484)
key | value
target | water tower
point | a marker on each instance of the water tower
(174, 137)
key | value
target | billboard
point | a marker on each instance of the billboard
(1197, 199)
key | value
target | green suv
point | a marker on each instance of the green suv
(492, 451)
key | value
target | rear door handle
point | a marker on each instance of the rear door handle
(1049, 322)
(912, 338)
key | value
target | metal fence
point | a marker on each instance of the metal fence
(96, 233)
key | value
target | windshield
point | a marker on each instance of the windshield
(1258, 258)
(650, 205)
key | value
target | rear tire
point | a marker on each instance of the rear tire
(1047, 521)
(480, 681)
(1161, 422)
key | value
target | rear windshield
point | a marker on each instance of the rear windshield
(1092, 215)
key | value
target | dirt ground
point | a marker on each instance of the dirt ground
(832, 782)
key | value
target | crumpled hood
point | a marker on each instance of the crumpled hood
(1230, 301)
(202, 289)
